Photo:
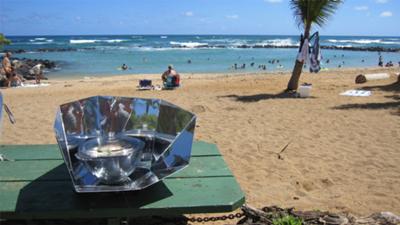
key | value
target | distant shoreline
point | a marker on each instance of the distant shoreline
(212, 75)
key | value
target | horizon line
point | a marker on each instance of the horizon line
(344, 35)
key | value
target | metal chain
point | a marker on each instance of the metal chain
(216, 218)
(205, 219)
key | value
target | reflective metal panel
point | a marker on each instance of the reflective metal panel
(1, 112)
(120, 144)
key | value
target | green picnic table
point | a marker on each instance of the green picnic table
(35, 184)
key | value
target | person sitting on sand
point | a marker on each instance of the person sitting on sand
(170, 77)
(12, 78)
(37, 70)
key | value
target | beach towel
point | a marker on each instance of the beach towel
(303, 53)
(315, 55)
(145, 88)
(33, 85)
(356, 93)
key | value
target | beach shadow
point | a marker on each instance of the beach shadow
(51, 196)
(259, 97)
(373, 106)
(393, 88)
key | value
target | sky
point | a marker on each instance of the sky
(260, 17)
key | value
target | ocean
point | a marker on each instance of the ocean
(100, 55)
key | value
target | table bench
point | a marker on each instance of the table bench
(35, 184)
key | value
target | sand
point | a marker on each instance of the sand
(343, 153)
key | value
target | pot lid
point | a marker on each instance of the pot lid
(109, 147)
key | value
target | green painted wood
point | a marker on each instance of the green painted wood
(202, 148)
(30, 152)
(47, 170)
(36, 190)
(50, 200)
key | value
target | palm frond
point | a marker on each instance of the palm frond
(307, 12)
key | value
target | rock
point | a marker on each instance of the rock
(23, 66)
(334, 220)
(49, 50)
(361, 79)
(384, 218)
(267, 215)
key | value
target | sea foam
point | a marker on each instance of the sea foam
(81, 41)
(72, 41)
(364, 41)
(278, 42)
(188, 44)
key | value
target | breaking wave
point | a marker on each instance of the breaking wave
(278, 42)
(364, 41)
(82, 41)
(72, 41)
(40, 40)
(188, 44)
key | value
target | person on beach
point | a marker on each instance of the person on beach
(170, 77)
(11, 77)
(38, 72)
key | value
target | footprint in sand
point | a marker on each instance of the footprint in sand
(198, 109)
(308, 186)
(326, 182)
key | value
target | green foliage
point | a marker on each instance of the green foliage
(150, 120)
(307, 12)
(287, 220)
(4, 40)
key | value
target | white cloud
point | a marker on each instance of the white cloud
(381, 1)
(233, 17)
(361, 8)
(188, 13)
(386, 14)
(273, 1)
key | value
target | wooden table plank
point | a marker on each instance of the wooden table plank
(29, 200)
(47, 170)
(30, 152)
(30, 187)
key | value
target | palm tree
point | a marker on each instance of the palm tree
(307, 12)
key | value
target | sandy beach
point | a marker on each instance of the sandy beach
(343, 153)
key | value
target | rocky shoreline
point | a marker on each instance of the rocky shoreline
(23, 66)
(19, 51)
(330, 47)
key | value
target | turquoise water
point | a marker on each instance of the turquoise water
(103, 54)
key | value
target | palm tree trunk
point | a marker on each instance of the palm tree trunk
(293, 83)
(294, 79)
